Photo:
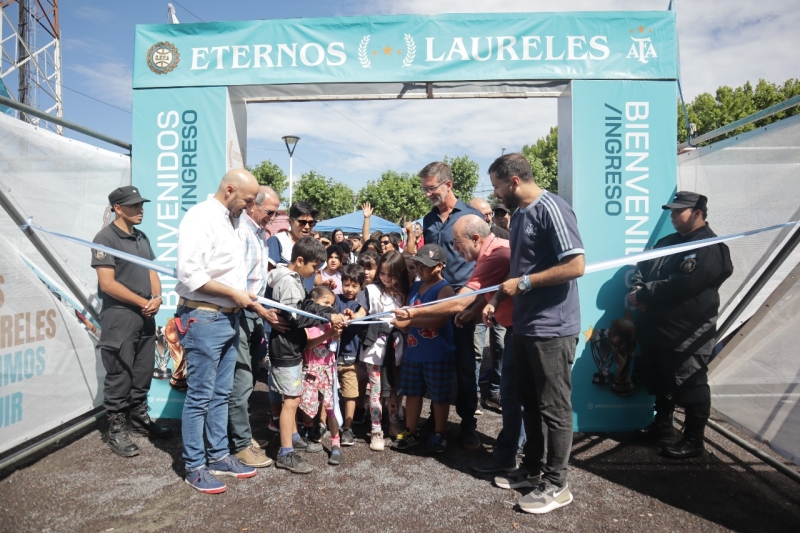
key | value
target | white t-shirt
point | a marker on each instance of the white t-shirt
(378, 303)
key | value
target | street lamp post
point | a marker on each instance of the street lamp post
(291, 143)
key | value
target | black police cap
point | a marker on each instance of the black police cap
(127, 195)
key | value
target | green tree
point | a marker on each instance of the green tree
(709, 112)
(543, 157)
(466, 173)
(268, 173)
(332, 198)
(396, 197)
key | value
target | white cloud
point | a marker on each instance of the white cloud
(108, 80)
(398, 135)
(722, 43)
(95, 14)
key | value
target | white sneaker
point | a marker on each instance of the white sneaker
(545, 498)
(377, 443)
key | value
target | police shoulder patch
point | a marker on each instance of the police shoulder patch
(688, 264)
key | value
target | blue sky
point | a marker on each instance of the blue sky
(722, 42)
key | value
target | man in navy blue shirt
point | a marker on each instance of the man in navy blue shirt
(547, 257)
(436, 180)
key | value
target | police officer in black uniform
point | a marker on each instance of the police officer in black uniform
(678, 300)
(131, 297)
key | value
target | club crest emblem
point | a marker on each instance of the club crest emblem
(430, 253)
(99, 254)
(163, 57)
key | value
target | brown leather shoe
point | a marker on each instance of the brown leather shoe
(254, 457)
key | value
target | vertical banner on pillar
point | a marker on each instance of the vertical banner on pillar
(182, 148)
(623, 169)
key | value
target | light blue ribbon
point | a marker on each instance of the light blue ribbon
(370, 319)
(608, 264)
(146, 263)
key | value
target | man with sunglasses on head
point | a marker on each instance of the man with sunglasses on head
(302, 219)
(436, 180)
(249, 352)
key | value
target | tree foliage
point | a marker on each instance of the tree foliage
(543, 158)
(268, 173)
(396, 197)
(709, 112)
(332, 198)
(466, 173)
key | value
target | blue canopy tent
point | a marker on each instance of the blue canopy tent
(352, 223)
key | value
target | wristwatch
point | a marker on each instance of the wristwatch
(524, 283)
(159, 297)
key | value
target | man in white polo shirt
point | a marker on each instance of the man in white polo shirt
(211, 284)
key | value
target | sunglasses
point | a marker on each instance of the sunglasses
(269, 213)
(385, 243)
(309, 223)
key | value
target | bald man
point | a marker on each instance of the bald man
(212, 285)
(483, 207)
(490, 254)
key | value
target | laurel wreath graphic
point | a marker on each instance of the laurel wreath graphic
(411, 50)
(362, 52)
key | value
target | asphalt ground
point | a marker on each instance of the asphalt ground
(618, 485)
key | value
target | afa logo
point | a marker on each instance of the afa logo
(642, 49)
(163, 57)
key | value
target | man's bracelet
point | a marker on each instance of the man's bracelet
(159, 297)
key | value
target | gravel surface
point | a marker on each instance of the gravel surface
(618, 485)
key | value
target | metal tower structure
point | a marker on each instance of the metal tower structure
(31, 53)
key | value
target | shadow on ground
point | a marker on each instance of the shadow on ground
(618, 485)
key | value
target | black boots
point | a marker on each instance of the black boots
(143, 425)
(658, 431)
(662, 427)
(685, 448)
(691, 445)
(118, 438)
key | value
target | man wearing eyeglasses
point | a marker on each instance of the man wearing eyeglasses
(302, 219)
(249, 351)
(486, 210)
(436, 180)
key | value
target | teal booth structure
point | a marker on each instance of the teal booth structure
(614, 74)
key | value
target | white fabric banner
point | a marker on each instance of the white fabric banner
(62, 183)
(48, 370)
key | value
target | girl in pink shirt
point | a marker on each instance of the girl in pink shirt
(319, 363)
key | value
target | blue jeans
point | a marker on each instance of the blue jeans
(512, 436)
(466, 395)
(210, 349)
(496, 335)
